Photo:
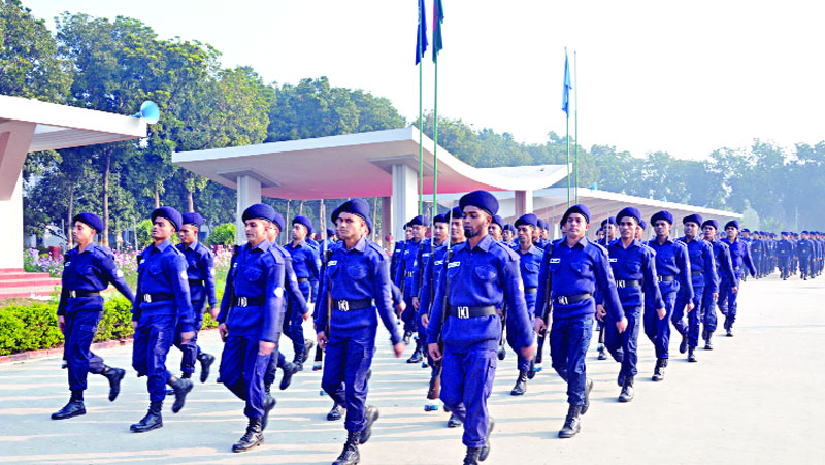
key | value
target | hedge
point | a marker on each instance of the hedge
(34, 326)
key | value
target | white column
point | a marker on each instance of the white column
(524, 202)
(11, 236)
(404, 198)
(248, 193)
(386, 217)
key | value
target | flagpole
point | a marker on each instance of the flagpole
(423, 32)
(435, 135)
(575, 131)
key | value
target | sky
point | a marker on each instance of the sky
(685, 78)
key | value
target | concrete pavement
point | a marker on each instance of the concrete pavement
(755, 399)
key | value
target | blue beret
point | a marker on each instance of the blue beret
(192, 218)
(304, 221)
(278, 220)
(497, 219)
(643, 225)
(733, 223)
(713, 223)
(632, 212)
(440, 218)
(89, 219)
(419, 220)
(744, 230)
(456, 214)
(804, 232)
(330, 232)
(170, 214)
(258, 211)
(358, 207)
(693, 218)
(369, 225)
(509, 227)
(662, 215)
(609, 220)
(578, 208)
(479, 199)
(527, 219)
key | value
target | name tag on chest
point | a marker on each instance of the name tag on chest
(555, 260)
(613, 260)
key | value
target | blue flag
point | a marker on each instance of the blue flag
(438, 18)
(565, 96)
(421, 42)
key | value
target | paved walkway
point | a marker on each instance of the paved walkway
(755, 399)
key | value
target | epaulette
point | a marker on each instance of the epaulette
(511, 254)
(380, 250)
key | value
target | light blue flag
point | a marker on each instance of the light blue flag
(565, 96)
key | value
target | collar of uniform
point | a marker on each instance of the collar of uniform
(90, 248)
(634, 243)
(667, 239)
(359, 246)
(162, 247)
(532, 250)
(484, 244)
(292, 247)
(263, 246)
(584, 242)
(192, 246)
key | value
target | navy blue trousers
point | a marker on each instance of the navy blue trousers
(348, 359)
(694, 317)
(727, 300)
(569, 341)
(80, 330)
(658, 331)
(409, 317)
(153, 338)
(623, 346)
(293, 323)
(242, 371)
(709, 318)
(466, 384)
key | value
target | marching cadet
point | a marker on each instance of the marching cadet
(725, 276)
(356, 275)
(162, 305)
(572, 270)
(88, 269)
(509, 235)
(496, 228)
(805, 253)
(610, 229)
(480, 275)
(398, 252)
(634, 267)
(702, 275)
(306, 262)
(739, 257)
(404, 279)
(784, 249)
(673, 274)
(201, 272)
(251, 319)
(295, 297)
(529, 262)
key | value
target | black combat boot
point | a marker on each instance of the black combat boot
(521, 384)
(371, 414)
(454, 421)
(350, 455)
(472, 457)
(289, 370)
(308, 344)
(418, 355)
(74, 408)
(407, 335)
(335, 413)
(115, 376)
(206, 362)
(253, 436)
(152, 420)
(659, 371)
(572, 423)
(501, 354)
(485, 450)
(691, 355)
(602, 353)
(181, 387)
(709, 341)
(627, 390)
(684, 344)
(588, 386)
(269, 403)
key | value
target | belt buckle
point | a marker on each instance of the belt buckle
(72, 294)
(563, 300)
(147, 298)
(659, 278)
(462, 313)
(343, 305)
(620, 283)
(242, 302)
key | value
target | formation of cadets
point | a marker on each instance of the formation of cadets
(475, 284)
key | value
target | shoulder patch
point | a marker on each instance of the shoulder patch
(510, 253)
(378, 249)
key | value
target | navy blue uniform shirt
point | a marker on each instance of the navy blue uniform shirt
(201, 271)
(672, 259)
(702, 263)
(637, 262)
(306, 262)
(162, 271)
(90, 271)
(740, 255)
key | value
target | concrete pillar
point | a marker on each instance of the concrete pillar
(524, 202)
(386, 217)
(404, 198)
(248, 193)
(11, 236)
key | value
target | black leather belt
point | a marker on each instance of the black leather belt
(571, 299)
(357, 304)
(409, 274)
(303, 280)
(530, 290)
(249, 301)
(195, 282)
(79, 293)
(150, 298)
(666, 278)
(628, 283)
(466, 312)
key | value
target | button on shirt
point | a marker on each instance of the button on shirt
(485, 275)
(201, 271)
(740, 255)
(724, 267)
(306, 262)
(162, 270)
(672, 259)
(578, 270)
(529, 264)
(255, 274)
(637, 262)
(90, 271)
(361, 272)
(702, 263)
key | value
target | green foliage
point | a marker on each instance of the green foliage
(117, 320)
(223, 234)
(30, 327)
(144, 232)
